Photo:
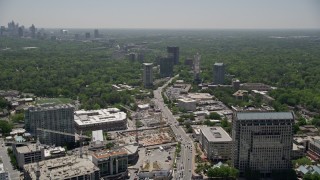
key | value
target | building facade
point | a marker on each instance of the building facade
(26, 154)
(166, 67)
(147, 75)
(187, 104)
(52, 117)
(113, 164)
(173, 51)
(215, 142)
(218, 73)
(262, 141)
(96, 33)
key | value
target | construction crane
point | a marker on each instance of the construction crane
(67, 134)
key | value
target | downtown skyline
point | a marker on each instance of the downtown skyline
(176, 14)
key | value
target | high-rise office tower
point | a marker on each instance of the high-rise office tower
(147, 75)
(87, 35)
(20, 31)
(166, 67)
(140, 57)
(52, 117)
(262, 141)
(173, 52)
(218, 73)
(33, 31)
(196, 68)
(96, 33)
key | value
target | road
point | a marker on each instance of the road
(14, 174)
(184, 163)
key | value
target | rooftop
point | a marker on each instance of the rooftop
(61, 168)
(49, 106)
(53, 101)
(83, 117)
(109, 153)
(218, 64)
(264, 115)
(200, 96)
(187, 100)
(215, 134)
(53, 151)
(97, 135)
(27, 149)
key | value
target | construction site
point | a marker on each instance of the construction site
(149, 137)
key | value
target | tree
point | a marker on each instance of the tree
(109, 145)
(17, 117)
(214, 115)
(309, 176)
(315, 121)
(208, 123)
(5, 127)
(223, 172)
(302, 121)
(302, 161)
(4, 104)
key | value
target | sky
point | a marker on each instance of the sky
(163, 14)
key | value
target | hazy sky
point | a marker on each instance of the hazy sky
(162, 13)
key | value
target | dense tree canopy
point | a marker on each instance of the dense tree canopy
(289, 60)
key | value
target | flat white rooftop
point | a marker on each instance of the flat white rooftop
(29, 148)
(97, 135)
(83, 117)
(215, 134)
(200, 96)
(187, 100)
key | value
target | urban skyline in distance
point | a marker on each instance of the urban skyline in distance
(177, 14)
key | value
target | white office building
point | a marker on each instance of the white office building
(215, 142)
(103, 119)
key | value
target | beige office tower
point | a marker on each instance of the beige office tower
(147, 75)
(262, 141)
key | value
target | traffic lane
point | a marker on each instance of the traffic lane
(14, 174)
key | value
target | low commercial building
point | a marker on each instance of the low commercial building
(155, 170)
(69, 167)
(240, 94)
(104, 119)
(307, 169)
(200, 96)
(298, 151)
(255, 86)
(314, 146)
(26, 154)
(310, 130)
(113, 164)
(216, 143)
(187, 104)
